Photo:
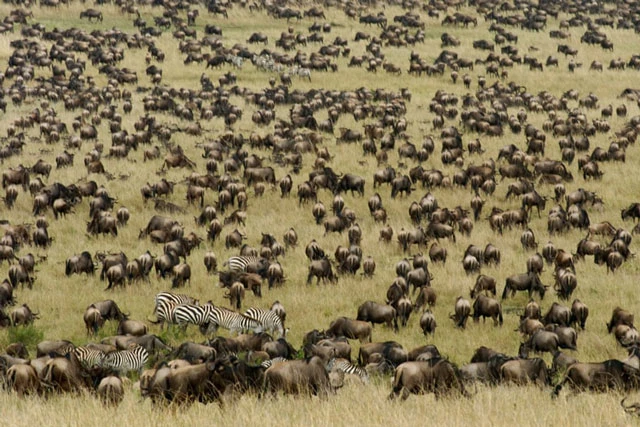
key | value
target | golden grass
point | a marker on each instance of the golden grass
(61, 300)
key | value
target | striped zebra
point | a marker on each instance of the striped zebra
(200, 315)
(247, 264)
(133, 358)
(165, 303)
(234, 322)
(89, 357)
(163, 297)
(350, 369)
(270, 321)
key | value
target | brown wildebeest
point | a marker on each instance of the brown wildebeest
(462, 310)
(579, 313)
(484, 283)
(93, 320)
(440, 377)
(370, 311)
(524, 282)
(428, 323)
(620, 316)
(484, 307)
(612, 374)
(349, 328)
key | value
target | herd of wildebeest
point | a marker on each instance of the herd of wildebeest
(66, 89)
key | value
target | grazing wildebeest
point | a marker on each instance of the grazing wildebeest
(579, 313)
(462, 310)
(373, 312)
(439, 376)
(612, 374)
(428, 323)
(321, 269)
(524, 282)
(484, 283)
(620, 316)
(351, 329)
(484, 307)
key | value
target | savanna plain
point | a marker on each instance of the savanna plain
(61, 300)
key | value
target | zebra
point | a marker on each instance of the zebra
(248, 264)
(350, 369)
(185, 314)
(173, 298)
(270, 320)
(165, 303)
(89, 357)
(134, 358)
(235, 322)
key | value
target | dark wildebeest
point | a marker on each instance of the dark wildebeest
(321, 269)
(557, 314)
(300, 376)
(579, 313)
(373, 312)
(484, 307)
(525, 371)
(484, 283)
(620, 317)
(428, 323)
(524, 282)
(93, 320)
(540, 341)
(349, 328)
(462, 310)
(78, 264)
(633, 212)
(612, 374)
(438, 376)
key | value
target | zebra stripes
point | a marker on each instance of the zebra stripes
(350, 369)
(169, 297)
(334, 364)
(184, 314)
(89, 357)
(165, 303)
(234, 322)
(124, 361)
(239, 264)
(270, 321)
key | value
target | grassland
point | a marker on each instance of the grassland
(61, 300)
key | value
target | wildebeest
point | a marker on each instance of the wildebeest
(370, 311)
(440, 377)
(579, 313)
(93, 320)
(23, 315)
(79, 264)
(557, 314)
(484, 283)
(612, 374)
(299, 377)
(349, 328)
(18, 274)
(484, 307)
(321, 269)
(462, 310)
(428, 323)
(620, 316)
(524, 282)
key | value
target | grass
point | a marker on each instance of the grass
(62, 300)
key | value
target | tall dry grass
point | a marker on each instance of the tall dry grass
(61, 300)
